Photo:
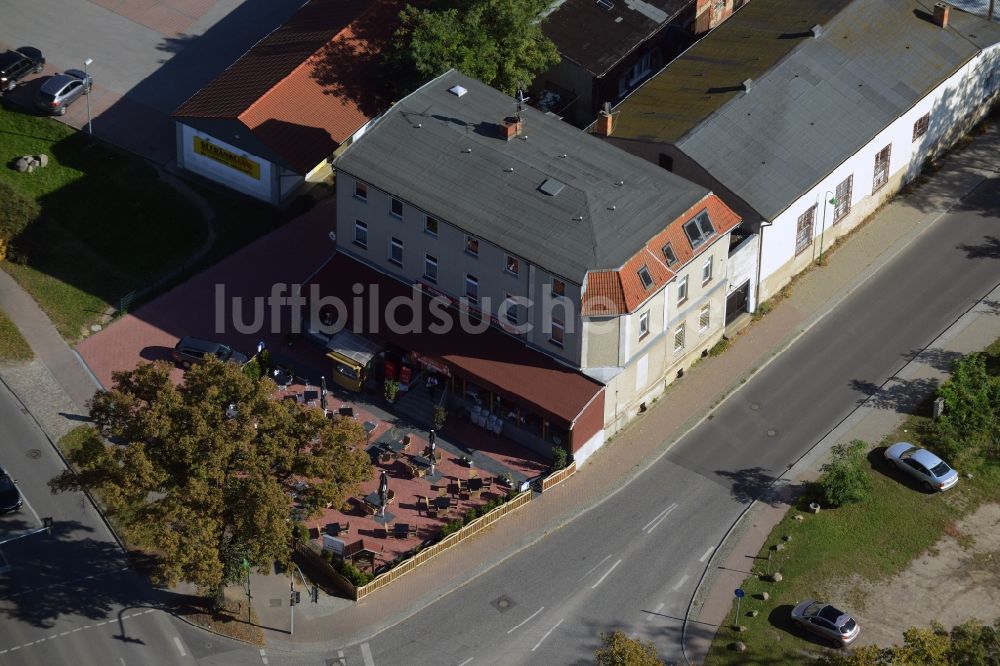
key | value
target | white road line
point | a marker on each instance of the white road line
(263, 656)
(594, 568)
(366, 654)
(525, 621)
(707, 553)
(122, 659)
(180, 646)
(151, 610)
(65, 633)
(30, 508)
(466, 661)
(101, 624)
(654, 612)
(601, 579)
(15, 648)
(681, 582)
(655, 522)
(53, 636)
(549, 632)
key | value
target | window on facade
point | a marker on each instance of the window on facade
(647, 279)
(881, 168)
(804, 230)
(361, 190)
(360, 233)
(679, 338)
(705, 317)
(558, 288)
(633, 74)
(430, 268)
(472, 245)
(682, 290)
(843, 196)
(512, 265)
(643, 324)
(472, 288)
(669, 254)
(396, 251)
(510, 309)
(920, 127)
(431, 226)
(706, 271)
(699, 229)
(558, 334)
(395, 207)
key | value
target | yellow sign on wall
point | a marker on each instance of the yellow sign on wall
(243, 164)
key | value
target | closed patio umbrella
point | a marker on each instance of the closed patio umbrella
(432, 438)
(383, 489)
(322, 393)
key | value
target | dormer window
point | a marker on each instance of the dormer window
(647, 279)
(668, 254)
(699, 229)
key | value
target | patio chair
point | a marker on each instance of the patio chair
(432, 511)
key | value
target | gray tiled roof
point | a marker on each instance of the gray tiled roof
(830, 96)
(442, 153)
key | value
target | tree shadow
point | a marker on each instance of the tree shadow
(988, 249)
(905, 396)
(757, 483)
(939, 359)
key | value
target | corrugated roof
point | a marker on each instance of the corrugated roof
(598, 38)
(443, 154)
(307, 86)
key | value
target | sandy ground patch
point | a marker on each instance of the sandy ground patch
(955, 580)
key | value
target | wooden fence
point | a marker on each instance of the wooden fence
(424, 555)
(554, 479)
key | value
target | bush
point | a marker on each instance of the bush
(970, 425)
(440, 416)
(300, 533)
(558, 458)
(351, 572)
(719, 347)
(620, 650)
(845, 478)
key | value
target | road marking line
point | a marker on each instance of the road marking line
(30, 508)
(180, 646)
(681, 582)
(707, 553)
(76, 630)
(654, 612)
(466, 661)
(101, 624)
(601, 579)
(263, 656)
(151, 610)
(366, 654)
(3, 651)
(549, 632)
(594, 568)
(65, 633)
(53, 636)
(15, 648)
(659, 516)
(513, 629)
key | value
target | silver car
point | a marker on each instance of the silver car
(932, 472)
(61, 90)
(826, 621)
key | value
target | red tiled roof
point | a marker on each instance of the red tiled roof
(309, 85)
(491, 359)
(620, 291)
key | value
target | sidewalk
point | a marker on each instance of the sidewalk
(333, 622)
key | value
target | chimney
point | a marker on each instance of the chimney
(510, 127)
(605, 121)
(941, 11)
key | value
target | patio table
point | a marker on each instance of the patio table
(373, 499)
(396, 447)
(443, 502)
(346, 411)
(421, 460)
(401, 530)
(475, 484)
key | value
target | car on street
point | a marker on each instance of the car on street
(932, 472)
(10, 496)
(827, 621)
(189, 351)
(15, 65)
(61, 90)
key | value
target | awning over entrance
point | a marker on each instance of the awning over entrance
(491, 359)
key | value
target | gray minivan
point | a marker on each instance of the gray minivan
(193, 350)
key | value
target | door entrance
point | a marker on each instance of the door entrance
(737, 302)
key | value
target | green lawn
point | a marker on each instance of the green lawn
(108, 225)
(13, 346)
(874, 540)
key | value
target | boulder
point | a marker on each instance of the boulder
(738, 646)
(21, 165)
(43, 160)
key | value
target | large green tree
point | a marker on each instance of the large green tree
(499, 42)
(970, 643)
(970, 426)
(201, 474)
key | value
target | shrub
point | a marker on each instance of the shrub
(719, 347)
(970, 425)
(391, 389)
(440, 415)
(763, 309)
(351, 572)
(845, 479)
(620, 650)
(558, 458)
(300, 533)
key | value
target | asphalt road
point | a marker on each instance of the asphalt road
(68, 597)
(633, 561)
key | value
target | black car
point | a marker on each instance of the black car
(15, 65)
(194, 350)
(10, 496)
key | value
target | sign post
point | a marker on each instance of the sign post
(739, 595)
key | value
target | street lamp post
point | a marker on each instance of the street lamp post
(86, 72)
(822, 229)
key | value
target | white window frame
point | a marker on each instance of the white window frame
(361, 227)
(394, 244)
(669, 254)
(511, 264)
(921, 125)
(430, 260)
(705, 317)
(706, 270)
(557, 339)
(880, 175)
(805, 230)
(698, 223)
(843, 193)
(643, 324)
(392, 202)
(682, 290)
(679, 334)
(645, 277)
(472, 288)
(510, 309)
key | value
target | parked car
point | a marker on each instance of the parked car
(826, 621)
(10, 496)
(15, 65)
(193, 350)
(932, 472)
(61, 90)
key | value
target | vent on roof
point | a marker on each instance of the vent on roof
(606, 4)
(747, 85)
(551, 187)
(457, 91)
(816, 30)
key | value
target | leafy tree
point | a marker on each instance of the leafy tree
(499, 42)
(845, 478)
(620, 650)
(971, 421)
(968, 643)
(203, 490)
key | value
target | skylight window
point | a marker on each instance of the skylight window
(699, 229)
(647, 279)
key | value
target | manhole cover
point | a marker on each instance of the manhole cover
(34, 453)
(772, 432)
(754, 406)
(275, 603)
(503, 604)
